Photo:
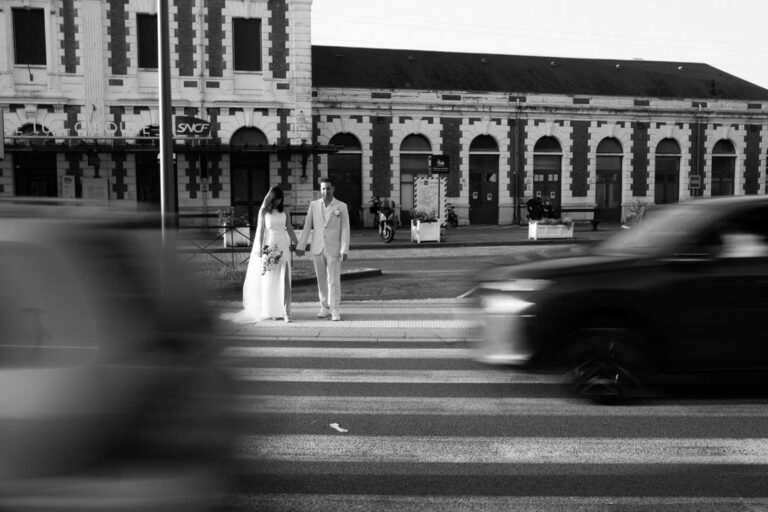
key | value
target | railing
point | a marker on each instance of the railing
(217, 242)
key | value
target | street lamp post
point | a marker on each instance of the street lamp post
(167, 179)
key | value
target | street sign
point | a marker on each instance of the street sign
(439, 164)
(192, 126)
(694, 182)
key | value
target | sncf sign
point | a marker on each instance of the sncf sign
(188, 126)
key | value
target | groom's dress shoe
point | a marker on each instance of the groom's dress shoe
(323, 313)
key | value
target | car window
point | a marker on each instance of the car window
(662, 231)
(44, 317)
(741, 235)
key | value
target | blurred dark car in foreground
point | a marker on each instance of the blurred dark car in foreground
(110, 398)
(684, 290)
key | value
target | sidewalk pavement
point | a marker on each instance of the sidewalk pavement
(363, 240)
(482, 235)
(429, 320)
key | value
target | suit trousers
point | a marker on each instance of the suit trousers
(328, 272)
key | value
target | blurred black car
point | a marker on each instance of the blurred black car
(685, 289)
(110, 396)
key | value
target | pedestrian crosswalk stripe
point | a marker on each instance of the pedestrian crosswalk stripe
(475, 406)
(501, 450)
(270, 336)
(492, 376)
(459, 503)
(351, 353)
(349, 322)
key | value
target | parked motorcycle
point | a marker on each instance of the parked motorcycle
(374, 209)
(451, 219)
(385, 218)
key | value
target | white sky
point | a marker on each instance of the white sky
(731, 35)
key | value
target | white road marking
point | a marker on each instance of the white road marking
(497, 376)
(351, 353)
(474, 406)
(502, 450)
(334, 502)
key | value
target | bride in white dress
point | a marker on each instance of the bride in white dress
(267, 287)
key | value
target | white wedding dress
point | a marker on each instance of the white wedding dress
(267, 294)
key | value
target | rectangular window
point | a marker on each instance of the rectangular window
(247, 44)
(29, 36)
(146, 26)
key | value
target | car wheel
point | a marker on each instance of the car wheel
(608, 365)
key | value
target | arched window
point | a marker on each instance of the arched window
(609, 146)
(484, 144)
(723, 168)
(415, 144)
(414, 163)
(484, 180)
(345, 169)
(348, 141)
(667, 172)
(547, 170)
(252, 137)
(249, 172)
(608, 186)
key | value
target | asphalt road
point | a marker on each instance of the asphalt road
(365, 423)
(369, 425)
(441, 274)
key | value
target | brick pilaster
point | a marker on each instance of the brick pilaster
(580, 158)
(451, 135)
(381, 156)
(639, 171)
(117, 47)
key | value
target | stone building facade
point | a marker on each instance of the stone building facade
(80, 115)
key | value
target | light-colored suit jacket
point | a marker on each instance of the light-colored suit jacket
(331, 233)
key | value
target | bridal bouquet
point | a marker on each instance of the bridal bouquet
(270, 256)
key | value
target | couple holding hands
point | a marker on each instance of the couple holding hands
(267, 286)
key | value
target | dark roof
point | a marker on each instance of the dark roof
(370, 68)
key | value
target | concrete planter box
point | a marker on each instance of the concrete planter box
(236, 236)
(425, 231)
(538, 230)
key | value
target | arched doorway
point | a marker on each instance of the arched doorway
(34, 172)
(249, 173)
(667, 172)
(148, 169)
(484, 180)
(547, 171)
(345, 169)
(723, 168)
(608, 187)
(414, 163)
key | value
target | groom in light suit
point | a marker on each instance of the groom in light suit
(328, 219)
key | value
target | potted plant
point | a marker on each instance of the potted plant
(425, 226)
(235, 230)
(550, 228)
(543, 223)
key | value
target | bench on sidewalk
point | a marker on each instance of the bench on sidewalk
(583, 209)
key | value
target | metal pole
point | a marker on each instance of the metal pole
(515, 166)
(697, 193)
(2, 134)
(167, 178)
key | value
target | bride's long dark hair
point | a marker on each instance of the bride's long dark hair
(274, 199)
